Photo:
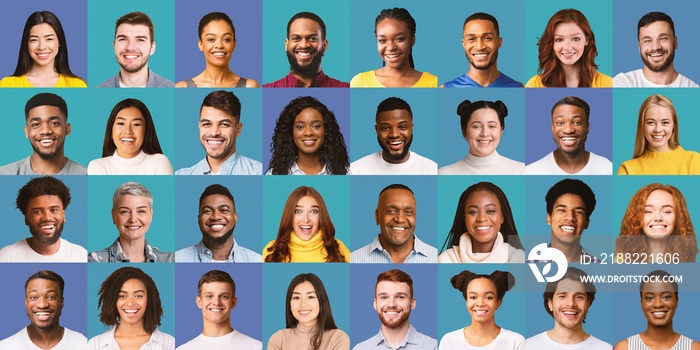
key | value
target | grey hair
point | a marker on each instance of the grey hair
(134, 189)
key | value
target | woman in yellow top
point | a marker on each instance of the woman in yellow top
(306, 233)
(567, 54)
(656, 147)
(43, 55)
(395, 30)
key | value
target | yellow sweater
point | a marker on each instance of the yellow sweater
(599, 80)
(63, 81)
(676, 162)
(308, 251)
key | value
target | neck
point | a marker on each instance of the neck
(220, 252)
(563, 335)
(44, 249)
(306, 81)
(46, 70)
(657, 245)
(664, 77)
(47, 166)
(664, 332)
(218, 329)
(571, 162)
(572, 252)
(401, 71)
(134, 250)
(217, 74)
(486, 328)
(130, 329)
(135, 79)
(571, 74)
(45, 338)
(215, 163)
(398, 253)
(395, 336)
(484, 77)
(309, 163)
(127, 156)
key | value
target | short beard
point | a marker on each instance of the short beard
(666, 64)
(47, 156)
(47, 241)
(488, 64)
(210, 241)
(386, 152)
(398, 323)
(309, 71)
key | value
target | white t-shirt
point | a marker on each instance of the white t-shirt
(506, 340)
(20, 341)
(158, 341)
(597, 165)
(142, 164)
(22, 252)
(233, 340)
(543, 342)
(374, 164)
(636, 78)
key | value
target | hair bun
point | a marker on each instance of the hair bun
(462, 107)
(501, 108)
(461, 280)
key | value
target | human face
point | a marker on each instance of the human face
(132, 301)
(394, 42)
(657, 46)
(306, 218)
(308, 131)
(483, 132)
(659, 303)
(658, 128)
(569, 43)
(568, 219)
(570, 129)
(395, 134)
(216, 301)
(133, 46)
(305, 47)
(43, 44)
(304, 304)
(482, 300)
(569, 304)
(393, 302)
(44, 216)
(483, 218)
(132, 216)
(44, 303)
(481, 43)
(396, 217)
(217, 219)
(659, 215)
(128, 132)
(46, 130)
(217, 43)
(218, 131)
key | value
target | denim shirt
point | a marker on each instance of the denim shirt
(114, 253)
(200, 253)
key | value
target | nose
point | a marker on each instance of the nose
(568, 128)
(399, 217)
(308, 131)
(41, 302)
(45, 129)
(657, 127)
(394, 132)
(215, 214)
(215, 129)
(481, 216)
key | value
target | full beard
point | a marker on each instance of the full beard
(210, 241)
(47, 156)
(394, 323)
(665, 64)
(308, 71)
(43, 239)
(395, 157)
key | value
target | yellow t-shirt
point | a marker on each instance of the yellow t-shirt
(599, 80)
(63, 81)
(369, 79)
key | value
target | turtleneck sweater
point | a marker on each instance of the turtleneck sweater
(494, 164)
(312, 250)
(502, 252)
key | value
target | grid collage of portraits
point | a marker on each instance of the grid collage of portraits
(357, 204)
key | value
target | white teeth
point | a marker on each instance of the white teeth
(214, 142)
(46, 141)
(395, 143)
(40, 313)
(398, 228)
(127, 140)
(217, 227)
(48, 227)
(479, 311)
(481, 228)
(130, 57)
(219, 54)
(130, 311)
(568, 138)
(481, 55)
(656, 55)
(133, 227)
(570, 313)
(656, 227)
(657, 137)
(567, 228)
(392, 56)
(42, 55)
(485, 142)
(304, 54)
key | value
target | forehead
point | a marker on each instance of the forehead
(217, 26)
(481, 195)
(657, 111)
(307, 201)
(215, 200)
(392, 287)
(659, 196)
(655, 29)
(44, 111)
(309, 114)
(304, 26)
(213, 113)
(479, 26)
(130, 113)
(133, 284)
(483, 284)
(657, 287)
(46, 200)
(570, 286)
(304, 287)
(217, 287)
(42, 28)
(566, 110)
(570, 200)
(397, 196)
(41, 283)
(394, 116)
(126, 29)
(132, 200)
(567, 28)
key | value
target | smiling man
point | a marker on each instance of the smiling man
(657, 40)
(219, 127)
(567, 301)
(570, 126)
(481, 41)
(217, 219)
(217, 297)
(43, 201)
(393, 300)
(134, 44)
(396, 242)
(44, 301)
(305, 45)
(394, 127)
(47, 126)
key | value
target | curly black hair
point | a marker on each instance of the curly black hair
(333, 153)
(109, 293)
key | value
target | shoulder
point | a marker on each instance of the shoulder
(452, 169)
(505, 81)
(535, 81)
(162, 164)
(364, 164)
(625, 79)
(427, 80)
(360, 80)
(276, 83)
(101, 339)
(14, 168)
(11, 81)
(424, 161)
(461, 81)
(597, 344)
(73, 168)
(164, 256)
(247, 255)
(74, 81)
(158, 81)
(601, 80)
(338, 340)
(452, 338)
(73, 336)
(97, 166)
(685, 81)
(15, 341)
(622, 345)
(111, 82)
(543, 166)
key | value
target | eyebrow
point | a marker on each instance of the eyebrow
(663, 206)
(227, 33)
(36, 36)
(487, 292)
(311, 292)
(487, 205)
(299, 206)
(136, 291)
(139, 207)
(133, 119)
(51, 207)
(477, 33)
(565, 206)
(53, 117)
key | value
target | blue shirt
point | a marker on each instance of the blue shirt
(373, 253)
(465, 81)
(236, 164)
(412, 341)
(200, 253)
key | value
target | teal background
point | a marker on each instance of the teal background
(102, 230)
(276, 14)
(102, 15)
(598, 13)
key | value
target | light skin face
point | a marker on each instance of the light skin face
(46, 130)
(132, 216)
(394, 42)
(659, 303)
(45, 217)
(306, 218)
(658, 128)
(396, 217)
(304, 304)
(483, 219)
(218, 131)
(216, 301)
(395, 134)
(44, 303)
(569, 43)
(568, 219)
(308, 132)
(128, 132)
(483, 132)
(133, 47)
(657, 46)
(659, 215)
(482, 302)
(43, 44)
(217, 43)
(393, 302)
(132, 301)
(305, 47)
(570, 128)
(217, 218)
(481, 43)
(569, 304)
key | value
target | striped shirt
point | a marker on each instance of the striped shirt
(373, 253)
(635, 343)
(321, 80)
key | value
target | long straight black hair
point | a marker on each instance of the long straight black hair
(324, 321)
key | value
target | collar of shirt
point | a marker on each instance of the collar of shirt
(155, 342)
(418, 247)
(293, 81)
(294, 170)
(410, 337)
(202, 250)
(224, 168)
(117, 254)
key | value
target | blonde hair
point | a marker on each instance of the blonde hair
(640, 143)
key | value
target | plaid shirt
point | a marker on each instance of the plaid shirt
(321, 80)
